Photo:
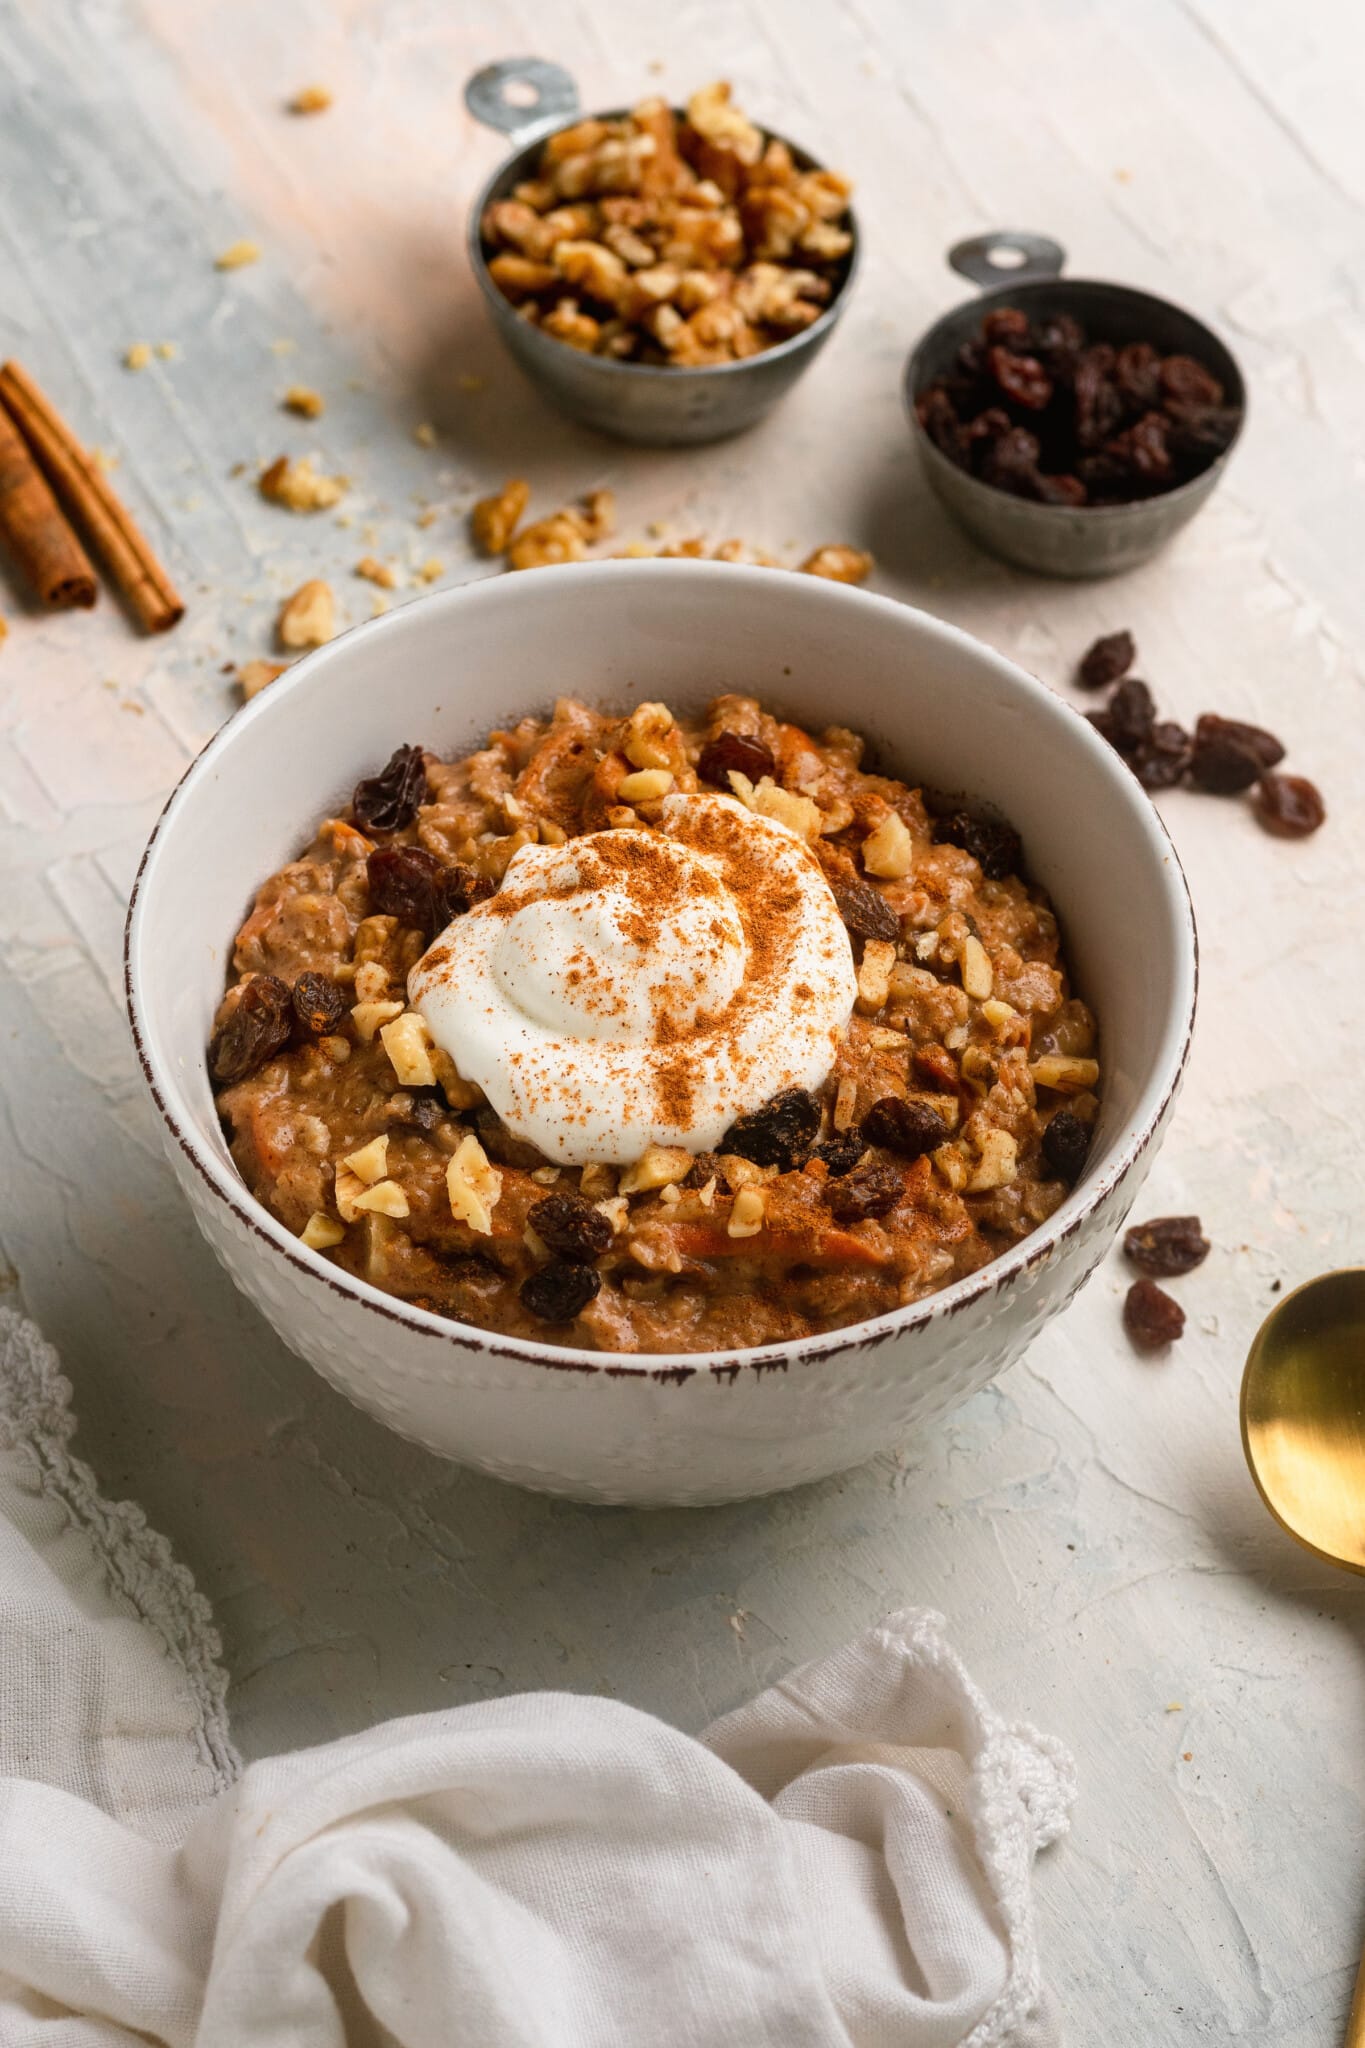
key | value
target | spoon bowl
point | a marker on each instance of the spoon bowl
(1303, 1415)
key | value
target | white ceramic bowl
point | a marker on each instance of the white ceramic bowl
(940, 709)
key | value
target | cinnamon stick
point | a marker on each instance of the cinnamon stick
(48, 552)
(106, 521)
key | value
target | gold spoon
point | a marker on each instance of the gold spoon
(1303, 1430)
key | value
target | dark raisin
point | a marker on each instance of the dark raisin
(570, 1225)
(866, 911)
(258, 1028)
(937, 415)
(1136, 372)
(1290, 806)
(1007, 327)
(1131, 712)
(1199, 432)
(734, 750)
(1108, 658)
(388, 801)
(461, 889)
(1059, 490)
(1162, 759)
(780, 1134)
(1022, 378)
(319, 1004)
(1098, 406)
(841, 1151)
(428, 1111)
(988, 426)
(1143, 453)
(560, 1291)
(1011, 462)
(706, 1166)
(501, 1145)
(1187, 382)
(406, 882)
(1151, 1317)
(995, 846)
(1057, 342)
(910, 1128)
(1066, 1141)
(869, 1190)
(1166, 1246)
(1229, 756)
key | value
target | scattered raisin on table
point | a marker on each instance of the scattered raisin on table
(388, 801)
(1290, 806)
(1229, 755)
(779, 1134)
(1166, 1246)
(995, 846)
(1164, 756)
(910, 1128)
(319, 1004)
(841, 1151)
(570, 1225)
(560, 1291)
(257, 1029)
(1066, 1142)
(869, 1190)
(865, 910)
(1150, 1316)
(734, 750)
(1110, 657)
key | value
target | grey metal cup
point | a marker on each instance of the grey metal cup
(658, 406)
(1063, 540)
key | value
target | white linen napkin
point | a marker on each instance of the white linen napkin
(847, 1860)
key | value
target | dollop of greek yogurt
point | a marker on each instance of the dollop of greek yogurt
(644, 987)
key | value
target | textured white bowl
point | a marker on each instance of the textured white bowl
(940, 709)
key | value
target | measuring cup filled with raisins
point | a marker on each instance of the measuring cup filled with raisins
(1071, 426)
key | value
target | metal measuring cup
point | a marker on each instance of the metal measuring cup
(527, 99)
(1014, 268)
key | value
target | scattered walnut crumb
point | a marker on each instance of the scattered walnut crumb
(839, 564)
(424, 434)
(431, 569)
(168, 350)
(308, 618)
(493, 520)
(427, 517)
(311, 99)
(255, 675)
(4, 632)
(302, 399)
(375, 571)
(137, 356)
(546, 543)
(299, 487)
(237, 255)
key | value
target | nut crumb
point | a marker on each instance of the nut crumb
(298, 486)
(321, 1232)
(311, 99)
(308, 618)
(237, 255)
(168, 350)
(424, 434)
(431, 570)
(255, 675)
(375, 571)
(493, 520)
(137, 356)
(307, 403)
(839, 564)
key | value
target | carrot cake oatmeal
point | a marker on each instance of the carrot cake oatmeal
(645, 1034)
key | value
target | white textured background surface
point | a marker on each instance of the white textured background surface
(1087, 1524)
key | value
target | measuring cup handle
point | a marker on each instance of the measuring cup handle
(1007, 256)
(519, 96)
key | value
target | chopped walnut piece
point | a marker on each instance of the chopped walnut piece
(766, 797)
(308, 618)
(385, 1198)
(546, 543)
(658, 1167)
(473, 1185)
(645, 744)
(311, 99)
(346, 1187)
(370, 1163)
(299, 487)
(493, 520)
(368, 1016)
(407, 1042)
(321, 1232)
(997, 1165)
(845, 1103)
(889, 851)
(237, 255)
(874, 975)
(747, 1212)
(254, 676)
(978, 976)
(375, 571)
(1069, 1076)
(645, 786)
(839, 564)
(307, 403)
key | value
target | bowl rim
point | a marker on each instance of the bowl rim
(504, 309)
(1194, 487)
(1130, 1144)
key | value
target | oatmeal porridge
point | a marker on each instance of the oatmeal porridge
(645, 1034)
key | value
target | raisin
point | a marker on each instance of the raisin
(1131, 713)
(706, 1166)
(1290, 806)
(1229, 756)
(1057, 342)
(1187, 382)
(995, 846)
(501, 1145)
(319, 1004)
(841, 1151)
(1066, 1141)
(1137, 374)
(461, 889)
(406, 882)
(1166, 1246)
(388, 801)
(988, 426)
(1142, 453)
(937, 415)
(428, 1111)
(1022, 378)
(866, 911)
(780, 1134)
(1110, 657)
(1162, 759)
(256, 1030)
(869, 1190)
(1098, 406)
(734, 750)
(1059, 490)
(910, 1128)
(1007, 327)
(570, 1225)
(1197, 433)
(1011, 462)
(1150, 1316)
(560, 1291)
